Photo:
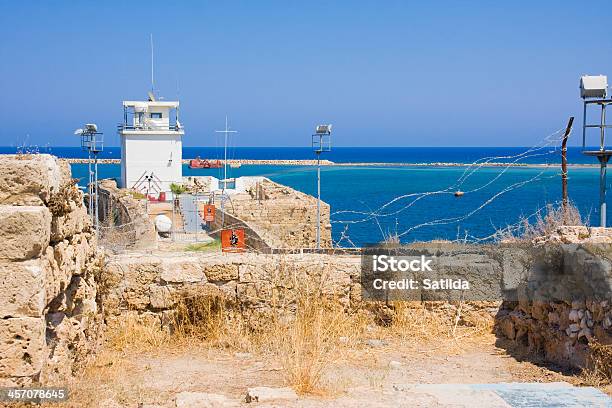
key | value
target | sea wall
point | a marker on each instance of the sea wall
(281, 216)
(49, 315)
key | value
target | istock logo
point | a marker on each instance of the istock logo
(389, 263)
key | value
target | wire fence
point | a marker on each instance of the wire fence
(189, 223)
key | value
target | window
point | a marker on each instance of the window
(155, 115)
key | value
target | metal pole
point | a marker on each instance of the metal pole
(584, 112)
(224, 177)
(568, 130)
(319, 197)
(603, 160)
(602, 134)
(89, 184)
(96, 192)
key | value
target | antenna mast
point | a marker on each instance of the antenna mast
(152, 77)
(226, 132)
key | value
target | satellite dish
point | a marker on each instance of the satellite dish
(163, 224)
(151, 97)
(91, 127)
(78, 132)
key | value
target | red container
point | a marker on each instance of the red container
(162, 196)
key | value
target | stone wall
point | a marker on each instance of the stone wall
(48, 262)
(150, 283)
(281, 216)
(124, 219)
(557, 298)
(565, 302)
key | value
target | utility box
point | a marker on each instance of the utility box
(593, 86)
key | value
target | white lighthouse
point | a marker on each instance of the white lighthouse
(151, 146)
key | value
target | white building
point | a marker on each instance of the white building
(151, 146)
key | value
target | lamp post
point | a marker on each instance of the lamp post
(93, 142)
(321, 142)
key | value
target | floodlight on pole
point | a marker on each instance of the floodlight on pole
(93, 142)
(321, 142)
(594, 91)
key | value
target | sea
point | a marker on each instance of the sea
(372, 202)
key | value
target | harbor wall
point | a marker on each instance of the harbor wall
(50, 317)
(281, 216)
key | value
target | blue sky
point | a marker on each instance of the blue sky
(385, 73)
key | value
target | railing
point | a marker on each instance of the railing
(149, 126)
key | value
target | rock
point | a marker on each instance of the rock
(22, 289)
(395, 364)
(70, 224)
(202, 400)
(161, 297)
(226, 271)
(574, 327)
(25, 232)
(573, 315)
(343, 339)
(267, 394)
(553, 318)
(243, 356)
(585, 333)
(182, 270)
(375, 342)
(578, 304)
(507, 328)
(22, 346)
(607, 322)
(29, 179)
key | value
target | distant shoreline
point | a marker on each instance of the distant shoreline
(284, 162)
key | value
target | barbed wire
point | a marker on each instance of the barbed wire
(547, 146)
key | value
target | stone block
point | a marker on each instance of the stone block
(68, 225)
(129, 279)
(182, 270)
(22, 289)
(161, 297)
(29, 179)
(220, 271)
(22, 346)
(24, 231)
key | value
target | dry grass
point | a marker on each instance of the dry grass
(310, 342)
(303, 328)
(599, 372)
(134, 333)
(421, 322)
(546, 223)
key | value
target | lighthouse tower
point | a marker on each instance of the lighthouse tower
(151, 146)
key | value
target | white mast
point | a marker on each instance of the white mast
(225, 132)
(152, 77)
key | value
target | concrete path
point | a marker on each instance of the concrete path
(515, 395)
(192, 222)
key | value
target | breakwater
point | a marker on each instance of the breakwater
(284, 162)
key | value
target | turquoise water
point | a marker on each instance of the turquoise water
(367, 188)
